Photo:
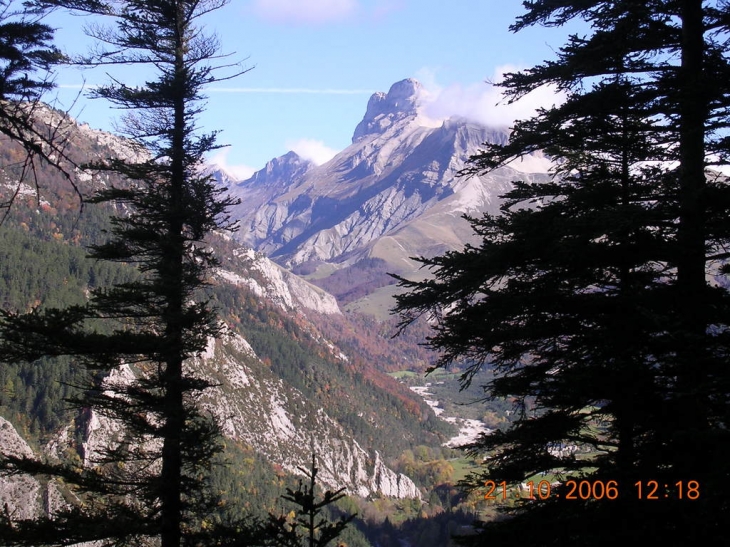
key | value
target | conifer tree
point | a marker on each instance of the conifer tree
(589, 295)
(306, 526)
(27, 59)
(136, 339)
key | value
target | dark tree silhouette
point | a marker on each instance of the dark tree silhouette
(598, 297)
(307, 527)
(137, 339)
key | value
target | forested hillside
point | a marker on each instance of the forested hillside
(332, 363)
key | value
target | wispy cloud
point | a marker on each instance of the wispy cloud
(289, 90)
(312, 150)
(481, 102)
(263, 90)
(305, 11)
(239, 172)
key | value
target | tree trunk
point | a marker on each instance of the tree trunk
(692, 303)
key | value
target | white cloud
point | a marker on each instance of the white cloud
(482, 102)
(305, 11)
(314, 151)
(239, 172)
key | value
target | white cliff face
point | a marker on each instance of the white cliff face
(23, 497)
(253, 406)
(269, 280)
(279, 422)
(102, 431)
(11, 443)
(66, 128)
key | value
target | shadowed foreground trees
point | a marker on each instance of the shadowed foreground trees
(598, 297)
(306, 524)
(136, 339)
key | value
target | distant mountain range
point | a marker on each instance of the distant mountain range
(394, 192)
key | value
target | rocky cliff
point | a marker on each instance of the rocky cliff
(394, 193)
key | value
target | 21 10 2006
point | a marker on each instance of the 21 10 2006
(593, 490)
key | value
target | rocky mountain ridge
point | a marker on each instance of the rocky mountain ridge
(395, 192)
(268, 280)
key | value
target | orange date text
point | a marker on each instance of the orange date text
(591, 490)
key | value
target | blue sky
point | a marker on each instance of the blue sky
(315, 63)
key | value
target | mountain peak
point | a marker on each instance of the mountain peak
(385, 108)
(279, 171)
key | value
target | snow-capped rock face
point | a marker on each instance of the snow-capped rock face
(398, 182)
